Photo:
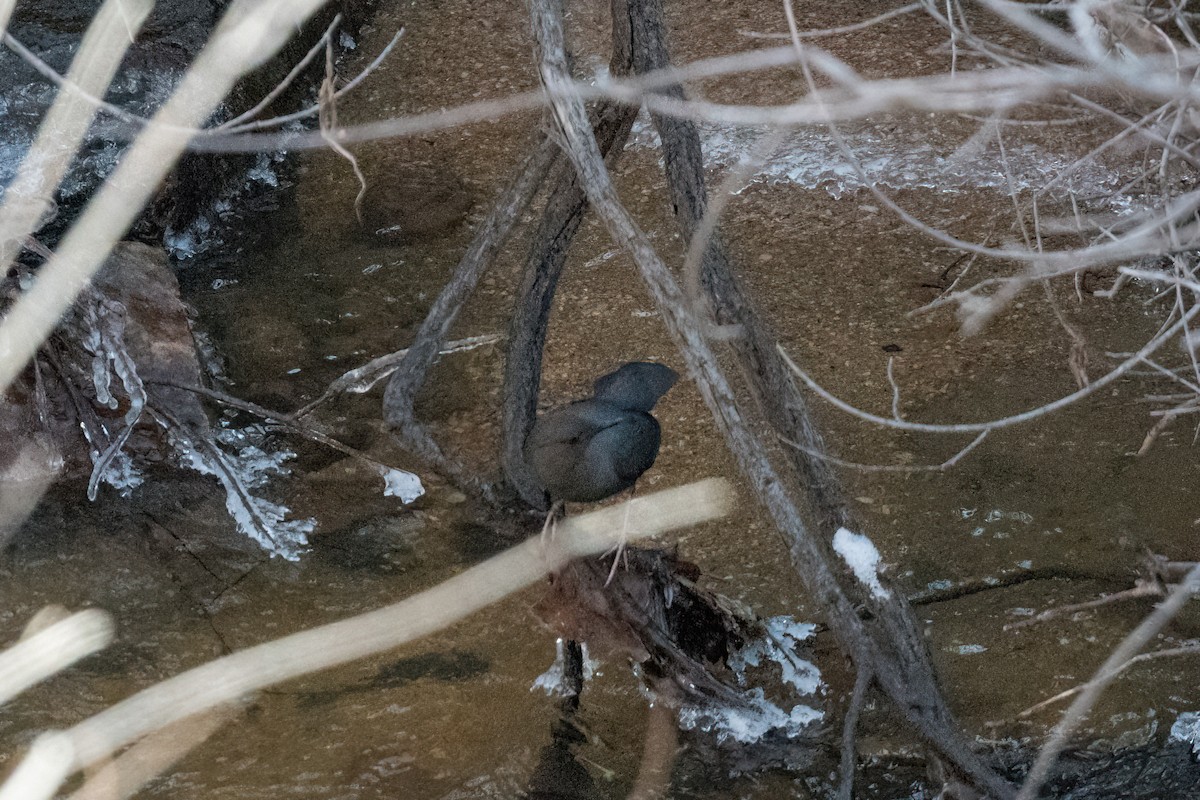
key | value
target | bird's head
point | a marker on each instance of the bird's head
(636, 386)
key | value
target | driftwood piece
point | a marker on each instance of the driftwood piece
(900, 664)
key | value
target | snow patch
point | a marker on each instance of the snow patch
(1186, 728)
(757, 716)
(862, 557)
(398, 483)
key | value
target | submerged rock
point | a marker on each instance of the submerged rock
(123, 336)
(158, 333)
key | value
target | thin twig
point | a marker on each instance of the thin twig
(1078, 710)
(280, 87)
(362, 379)
(289, 421)
(328, 123)
(1003, 422)
(945, 466)
(816, 33)
(1186, 650)
(1142, 589)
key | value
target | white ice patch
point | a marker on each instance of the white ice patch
(860, 555)
(897, 159)
(189, 242)
(553, 680)
(398, 483)
(607, 255)
(750, 723)
(239, 472)
(204, 232)
(256, 466)
(263, 171)
(997, 514)
(1187, 729)
(779, 646)
(119, 472)
(105, 339)
(759, 716)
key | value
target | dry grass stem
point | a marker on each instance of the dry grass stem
(292, 422)
(975, 92)
(62, 130)
(6, 9)
(660, 744)
(328, 124)
(124, 776)
(241, 124)
(43, 654)
(948, 464)
(18, 499)
(1144, 588)
(52, 75)
(1003, 422)
(42, 771)
(1129, 647)
(817, 33)
(305, 113)
(231, 677)
(314, 51)
(43, 619)
(1187, 650)
(362, 379)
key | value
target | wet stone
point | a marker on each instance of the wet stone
(137, 293)
(157, 332)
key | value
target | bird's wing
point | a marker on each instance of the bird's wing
(573, 425)
(630, 444)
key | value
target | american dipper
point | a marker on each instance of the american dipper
(592, 449)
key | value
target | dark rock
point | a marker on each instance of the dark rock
(40, 418)
(157, 332)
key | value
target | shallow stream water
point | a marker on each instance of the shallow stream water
(1053, 512)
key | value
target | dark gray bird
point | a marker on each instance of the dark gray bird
(592, 449)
